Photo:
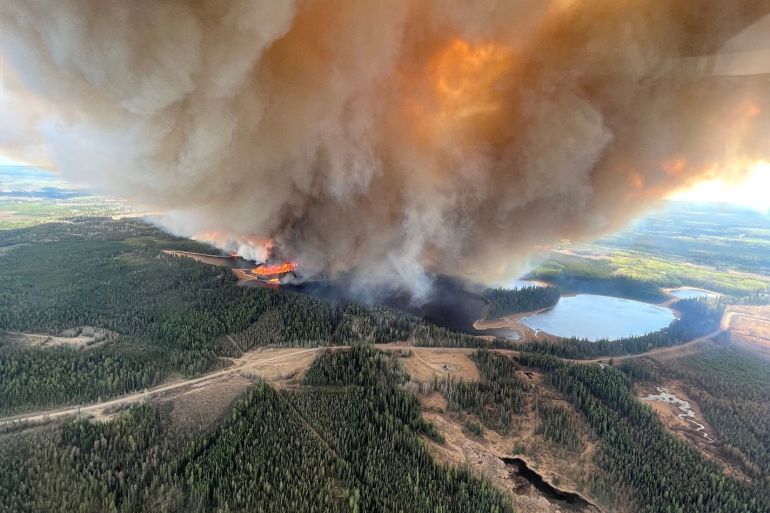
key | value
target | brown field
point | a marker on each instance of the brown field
(220, 261)
(284, 364)
(199, 408)
(423, 364)
(84, 340)
(749, 325)
(241, 275)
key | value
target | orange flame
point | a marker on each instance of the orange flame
(273, 270)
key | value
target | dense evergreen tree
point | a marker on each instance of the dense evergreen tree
(663, 473)
(558, 426)
(732, 389)
(166, 314)
(349, 440)
(504, 302)
(494, 399)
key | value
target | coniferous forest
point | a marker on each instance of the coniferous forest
(167, 314)
(662, 473)
(347, 440)
(732, 388)
(351, 435)
(504, 302)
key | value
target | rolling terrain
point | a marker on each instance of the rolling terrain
(224, 386)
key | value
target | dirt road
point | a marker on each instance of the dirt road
(246, 362)
(255, 359)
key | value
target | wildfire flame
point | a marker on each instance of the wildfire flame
(272, 270)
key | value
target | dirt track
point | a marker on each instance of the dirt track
(295, 360)
(248, 362)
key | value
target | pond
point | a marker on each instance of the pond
(600, 317)
(692, 293)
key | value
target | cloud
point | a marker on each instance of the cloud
(384, 139)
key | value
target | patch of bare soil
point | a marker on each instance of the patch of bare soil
(683, 417)
(84, 337)
(565, 470)
(750, 325)
(220, 261)
(276, 364)
(240, 275)
(201, 403)
(197, 409)
(425, 364)
(513, 322)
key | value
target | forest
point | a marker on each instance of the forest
(170, 314)
(498, 395)
(347, 440)
(504, 302)
(732, 388)
(593, 276)
(661, 473)
(174, 315)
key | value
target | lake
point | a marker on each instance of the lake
(600, 317)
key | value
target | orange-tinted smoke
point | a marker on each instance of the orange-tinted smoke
(389, 139)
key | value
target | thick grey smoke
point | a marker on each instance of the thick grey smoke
(385, 138)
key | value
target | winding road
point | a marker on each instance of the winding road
(248, 361)
(258, 358)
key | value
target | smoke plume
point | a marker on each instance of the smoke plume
(386, 138)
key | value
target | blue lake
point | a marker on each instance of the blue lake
(600, 317)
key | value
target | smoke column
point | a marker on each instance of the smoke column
(387, 138)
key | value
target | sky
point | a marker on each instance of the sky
(6, 161)
(752, 191)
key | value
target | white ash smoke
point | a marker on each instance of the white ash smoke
(384, 138)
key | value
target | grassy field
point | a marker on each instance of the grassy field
(671, 274)
(718, 248)
(30, 196)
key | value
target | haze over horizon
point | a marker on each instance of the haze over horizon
(749, 190)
